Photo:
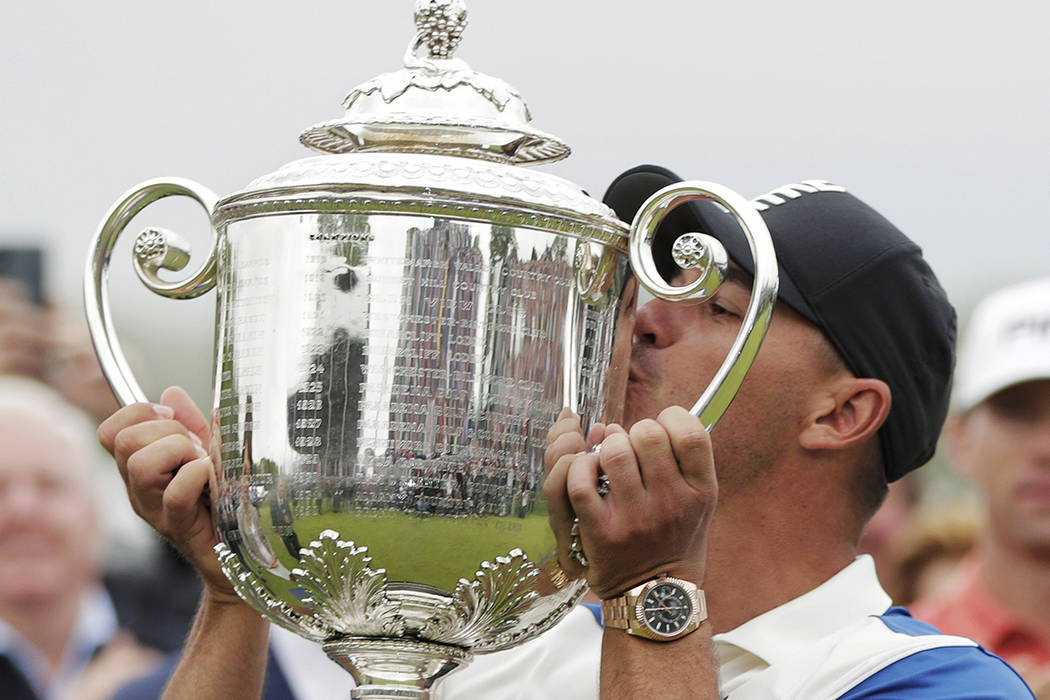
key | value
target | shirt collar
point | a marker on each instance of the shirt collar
(96, 624)
(775, 635)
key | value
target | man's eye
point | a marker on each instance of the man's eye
(719, 310)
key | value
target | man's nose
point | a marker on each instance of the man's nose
(19, 500)
(651, 323)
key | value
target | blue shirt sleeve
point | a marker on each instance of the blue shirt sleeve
(151, 687)
(944, 673)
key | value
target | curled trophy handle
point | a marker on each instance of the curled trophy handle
(698, 251)
(706, 254)
(155, 249)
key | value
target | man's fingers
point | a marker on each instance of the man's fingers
(560, 513)
(595, 434)
(24, 345)
(617, 459)
(565, 412)
(186, 412)
(22, 362)
(127, 417)
(559, 509)
(131, 440)
(652, 449)
(581, 483)
(182, 498)
(692, 448)
(565, 437)
(568, 443)
(568, 422)
(151, 469)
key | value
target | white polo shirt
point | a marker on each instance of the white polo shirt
(562, 663)
(841, 640)
(844, 640)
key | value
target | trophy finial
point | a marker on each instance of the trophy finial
(437, 104)
(440, 24)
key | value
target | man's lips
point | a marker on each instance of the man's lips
(637, 372)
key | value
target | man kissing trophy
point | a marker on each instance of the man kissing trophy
(399, 322)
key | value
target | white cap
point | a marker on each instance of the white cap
(1007, 342)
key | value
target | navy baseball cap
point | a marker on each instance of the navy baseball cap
(850, 272)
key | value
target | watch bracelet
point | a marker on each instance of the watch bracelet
(617, 612)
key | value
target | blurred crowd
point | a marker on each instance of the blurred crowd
(980, 567)
(90, 599)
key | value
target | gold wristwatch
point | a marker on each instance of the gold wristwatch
(663, 609)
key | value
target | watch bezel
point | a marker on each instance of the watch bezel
(696, 615)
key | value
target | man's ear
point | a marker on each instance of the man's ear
(852, 413)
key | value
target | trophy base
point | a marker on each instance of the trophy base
(395, 668)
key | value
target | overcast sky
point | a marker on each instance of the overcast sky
(934, 112)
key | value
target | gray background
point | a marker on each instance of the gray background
(933, 112)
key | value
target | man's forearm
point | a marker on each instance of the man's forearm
(638, 668)
(224, 656)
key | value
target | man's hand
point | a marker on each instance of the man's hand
(74, 370)
(662, 495)
(159, 451)
(53, 347)
(564, 442)
(25, 333)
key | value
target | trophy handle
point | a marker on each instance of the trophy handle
(702, 252)
(155, 249)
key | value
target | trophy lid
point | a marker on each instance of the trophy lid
(437, 104)
(391, 149)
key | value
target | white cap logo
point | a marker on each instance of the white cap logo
(793, 191)
(1007, 342)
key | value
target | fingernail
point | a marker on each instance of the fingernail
(163, 411)
(196, 440)
(201, 452)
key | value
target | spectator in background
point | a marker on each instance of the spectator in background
(999, 438)
(52, 347)
(922, 556)
(155, 591)
(59, 635)
(24, 332)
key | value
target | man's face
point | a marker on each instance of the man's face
(48, 529)
(679, 347)
(1003, 443)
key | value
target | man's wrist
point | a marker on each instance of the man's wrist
(223, 598)
(694, 575)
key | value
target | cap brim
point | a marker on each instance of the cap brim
(1001, 377)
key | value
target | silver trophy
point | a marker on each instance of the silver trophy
(399, 321)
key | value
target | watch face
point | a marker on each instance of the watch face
(666, 609)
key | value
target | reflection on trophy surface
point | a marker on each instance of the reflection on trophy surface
(399, 322)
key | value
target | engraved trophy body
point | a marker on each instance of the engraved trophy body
(399, 322)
